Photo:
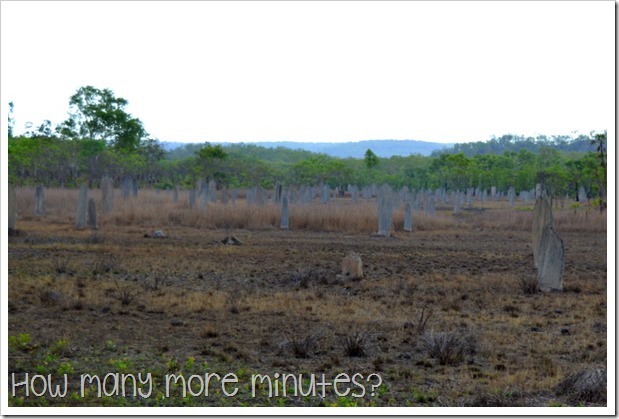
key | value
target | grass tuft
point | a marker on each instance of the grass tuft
(449, 348)
(354, 344)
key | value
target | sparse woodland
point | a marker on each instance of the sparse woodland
(99, 139)
(443, 313)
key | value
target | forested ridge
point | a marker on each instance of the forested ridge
(382, 148)
(100, 139)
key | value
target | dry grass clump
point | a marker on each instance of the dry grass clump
(424, 317)
(449, 348)
(528, 284)
(354, 344)
(301, 346)
(305, 277)
(485, 398)
(585, 386)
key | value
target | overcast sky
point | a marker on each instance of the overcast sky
(319, 71)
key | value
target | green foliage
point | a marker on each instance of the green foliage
(516, 143)
(188, 367)
(209, 163)
(101, 139)
(11, 121)
(122, 365)
(98, 114)
(53, 161)
(599, 141)
(21, 342)
(312, 171)
(371, 159)
(59, 346)
(343, 402)
(65, 368)
(322, 169)
(110, 345)
(421, 396)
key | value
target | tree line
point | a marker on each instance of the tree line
(100, 138)
(515, 143)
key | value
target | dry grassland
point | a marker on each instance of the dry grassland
(440, 313)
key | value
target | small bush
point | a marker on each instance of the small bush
(51, 297)
(304, 277)
(61, 265)
(448, 347)
(423, 397)
(528, 284)
(125, 294)
(423, 321)
(485, 398)
(106, 263)
(209, 331)
(354, 344)
(584, 386)
(233, 302)
(301, 346)
(21, 342)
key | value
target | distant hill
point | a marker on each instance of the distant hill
(382, 148)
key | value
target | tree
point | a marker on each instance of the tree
(42, 131)
(11, 122)
(312, 171)
(599, 140)
(371, 159)
(574, 174)
(552, 172)
(99, 115)
(338, 174)
(209, 160)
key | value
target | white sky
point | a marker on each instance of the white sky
(319, 71)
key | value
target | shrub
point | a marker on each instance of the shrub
(125, 294)
(528, 284)
(301, 346)
(423, 321)
(304, 277)
(448, 347)
(354, 344)
(105, 263)
(584, 386)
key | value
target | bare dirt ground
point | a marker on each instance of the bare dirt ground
(115, 301)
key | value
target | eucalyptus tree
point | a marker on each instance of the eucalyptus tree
(98, 114)
(210, 163)
(11, 121)
(599, 140)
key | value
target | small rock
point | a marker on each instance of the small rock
(232, 240)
